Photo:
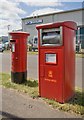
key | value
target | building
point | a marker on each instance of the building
(29, 23)
(4, 39)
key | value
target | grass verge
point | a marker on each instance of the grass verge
(30, 87)
(32, 53)
(75, 105)
(29, 52)
(81, 55)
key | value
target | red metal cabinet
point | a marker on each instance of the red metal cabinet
(56, 44)
(18, 43)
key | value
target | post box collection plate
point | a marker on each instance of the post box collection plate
(50, 58)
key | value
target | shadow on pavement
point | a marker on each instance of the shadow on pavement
(8, 116)
(77, 99)
(31, 83)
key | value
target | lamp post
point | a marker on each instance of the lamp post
(8, 27)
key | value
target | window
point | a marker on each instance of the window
(80, 36)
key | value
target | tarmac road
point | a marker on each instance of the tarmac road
(32, 66)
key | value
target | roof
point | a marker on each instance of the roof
(55, 13)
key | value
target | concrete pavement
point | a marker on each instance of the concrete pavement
(19, 105)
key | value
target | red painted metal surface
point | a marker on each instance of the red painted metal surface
(19, 56)
(57, 81)
(69, 24)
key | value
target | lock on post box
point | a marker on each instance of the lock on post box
(18, 43)
(57, 60)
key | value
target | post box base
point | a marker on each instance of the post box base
(18, 77)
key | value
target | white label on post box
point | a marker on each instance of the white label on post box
(51, 58)
(13, 47)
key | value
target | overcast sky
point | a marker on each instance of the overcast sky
(11, 11)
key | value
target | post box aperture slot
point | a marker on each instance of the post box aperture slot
(52, 37)
(13, 41)
(51, 58)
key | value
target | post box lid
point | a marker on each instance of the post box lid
(69, 24)
(19, 33)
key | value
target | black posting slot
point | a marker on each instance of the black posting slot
(12, 40)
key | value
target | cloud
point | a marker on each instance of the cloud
(42, 3)
(44, 11)
(71, 0)
(10, 14)
(46, 3)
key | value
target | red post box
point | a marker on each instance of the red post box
(18, 44)
(56, 44)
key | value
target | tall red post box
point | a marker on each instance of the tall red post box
(56, 44)
(18, 42)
